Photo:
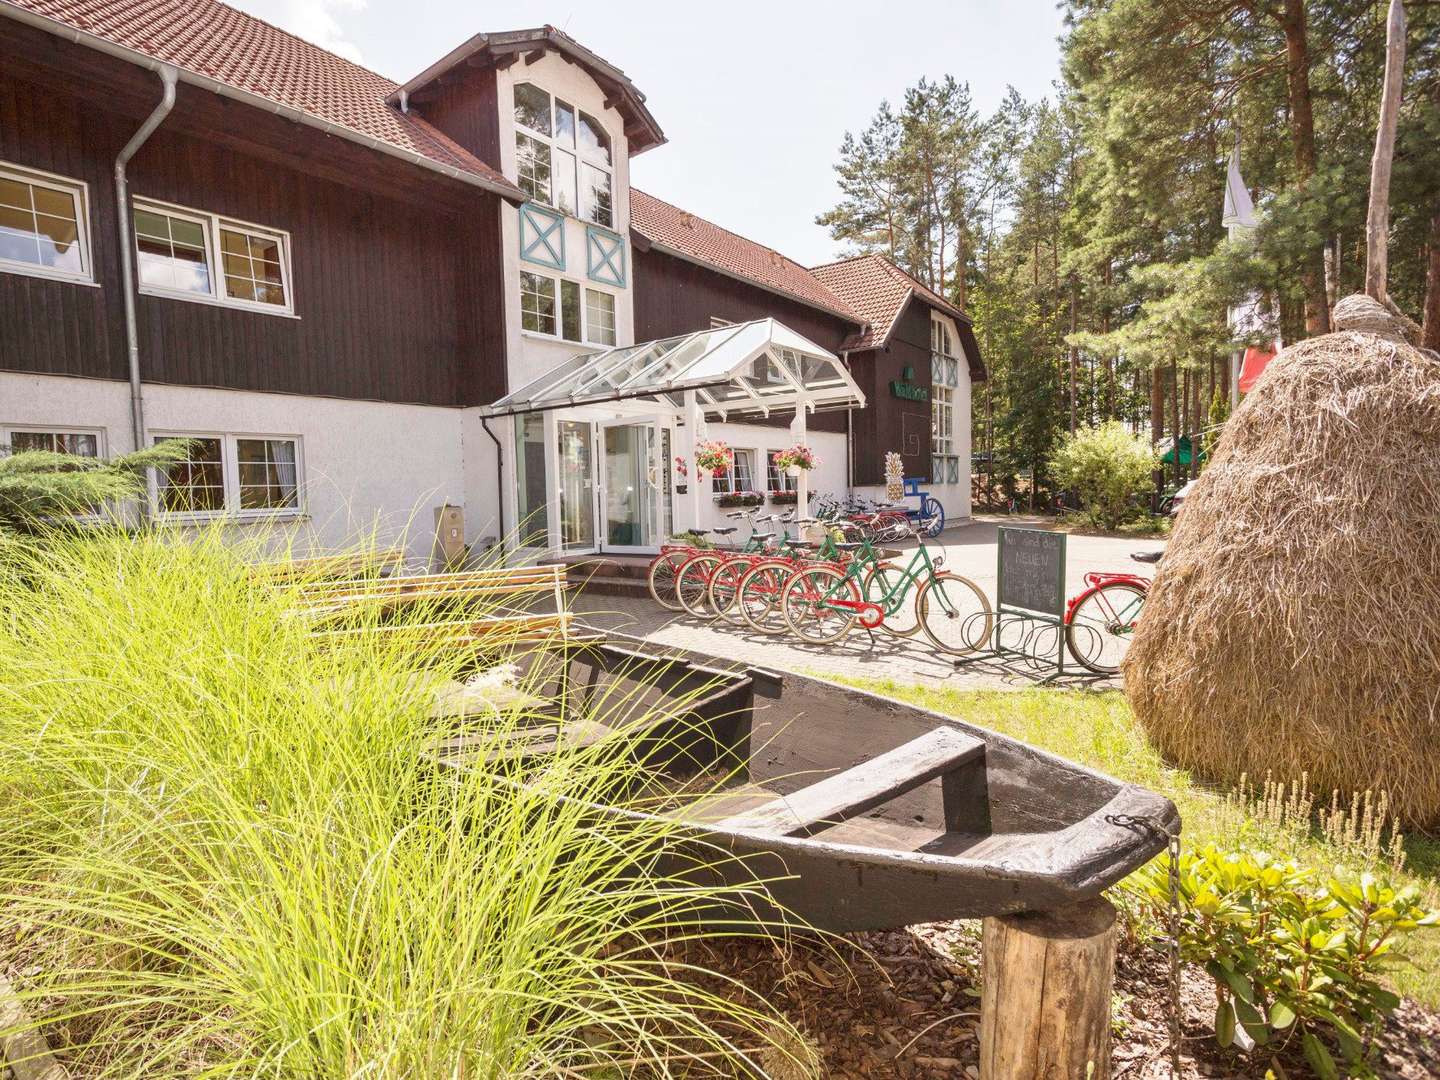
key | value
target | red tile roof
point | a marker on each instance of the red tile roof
(216, 41)
(695, 238)
(875, 288)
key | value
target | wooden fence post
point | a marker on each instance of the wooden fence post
(1045, 1005)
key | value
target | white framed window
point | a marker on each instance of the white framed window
(232, 474)
(193, 255)
(82, 442)
(944, 379)
(561, 308)
(599, 317)
(739, 477)
(776, 478)
(563, 156)
(44, 225)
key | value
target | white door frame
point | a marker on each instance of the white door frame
(657, 472)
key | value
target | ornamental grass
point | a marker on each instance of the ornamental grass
(224, 851)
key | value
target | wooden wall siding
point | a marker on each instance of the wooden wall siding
(398, 297)
(465, 107)
(673, 296)
(891, 423)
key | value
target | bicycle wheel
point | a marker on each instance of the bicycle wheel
(932, 517)
(661, 579)
(1102, 624)
(954, 613)
(758, 598)
(805, 600)
(881, 581)
(692, 585)
(725, 589)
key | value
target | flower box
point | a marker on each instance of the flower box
(784, 498)
(740, 498)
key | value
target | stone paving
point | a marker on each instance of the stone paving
(969, 550)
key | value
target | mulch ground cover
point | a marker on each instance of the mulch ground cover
(906, 1004)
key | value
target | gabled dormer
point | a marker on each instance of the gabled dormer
(562, 124)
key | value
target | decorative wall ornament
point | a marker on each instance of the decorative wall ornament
(605, 257)
(542, 236)
(894, 477)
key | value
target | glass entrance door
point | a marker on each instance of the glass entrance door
(577, 491)
(630, 490)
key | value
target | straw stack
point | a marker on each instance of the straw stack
(1294, 624)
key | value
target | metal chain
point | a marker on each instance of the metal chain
(1174, 944)
(1172, 845)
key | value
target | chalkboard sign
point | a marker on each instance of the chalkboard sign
(1031, 571)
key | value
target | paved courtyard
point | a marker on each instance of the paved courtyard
(969, 550)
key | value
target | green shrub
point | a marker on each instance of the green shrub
(1105, 466)
(39, 488)
(1293, 956)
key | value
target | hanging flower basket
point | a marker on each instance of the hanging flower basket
(714, 457)
(796, 459)
(741, 498)
(682, 472)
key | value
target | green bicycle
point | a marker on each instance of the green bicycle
(821, 604)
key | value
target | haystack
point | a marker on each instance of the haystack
(1294, 624)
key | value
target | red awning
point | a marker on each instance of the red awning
(1255, 361)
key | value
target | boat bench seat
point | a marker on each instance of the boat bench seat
(863, 787)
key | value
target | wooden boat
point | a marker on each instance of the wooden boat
(861, 812)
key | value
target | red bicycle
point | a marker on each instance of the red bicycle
(1100, 621)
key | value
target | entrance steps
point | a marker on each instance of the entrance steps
(608, 575)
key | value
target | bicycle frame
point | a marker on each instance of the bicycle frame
(874, 612)
(1097, 580)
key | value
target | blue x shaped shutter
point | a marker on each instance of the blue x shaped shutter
(605, 257)
(542, 237)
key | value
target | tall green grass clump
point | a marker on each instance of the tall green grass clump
(224, 851)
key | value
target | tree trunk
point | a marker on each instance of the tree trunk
(1302, 134)
(1157, 418)
(1074, 357)
(1175, 419)
(1430, 336)
(1377, 222)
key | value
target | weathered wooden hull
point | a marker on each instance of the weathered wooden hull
(1018, 829)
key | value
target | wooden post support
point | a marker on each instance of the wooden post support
(1045, 1005)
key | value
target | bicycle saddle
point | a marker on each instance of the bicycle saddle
(762, 536)
(723, 532)
(848, 545)
(1147, 556)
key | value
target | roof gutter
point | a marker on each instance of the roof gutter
(168, 76)
(257, 101)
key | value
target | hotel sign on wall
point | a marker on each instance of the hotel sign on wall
(906, 388)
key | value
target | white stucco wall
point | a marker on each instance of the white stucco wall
(532, 355)
(365, 466)
(826, 478)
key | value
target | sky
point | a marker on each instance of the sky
(754, 97)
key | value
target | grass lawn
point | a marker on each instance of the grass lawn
(1098, 730)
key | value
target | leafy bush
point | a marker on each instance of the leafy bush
(226, 850)
(39, 488)
(1105, 466)
(1292, 956)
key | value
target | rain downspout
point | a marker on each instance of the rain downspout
(499, 477)
(168, 76)
(849, 435)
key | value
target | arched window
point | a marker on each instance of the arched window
(563, 156)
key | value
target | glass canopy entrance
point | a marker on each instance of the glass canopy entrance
(735, 372)
(604, 427)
